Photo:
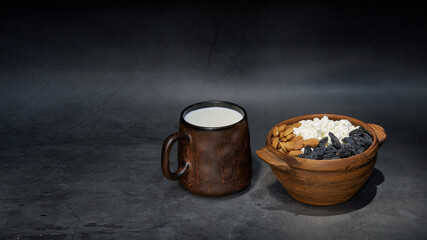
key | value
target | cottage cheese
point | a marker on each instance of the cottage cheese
(320, 128)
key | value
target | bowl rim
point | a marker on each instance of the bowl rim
(339, 164)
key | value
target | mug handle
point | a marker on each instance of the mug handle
(166, 149)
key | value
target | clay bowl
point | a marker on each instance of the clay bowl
(323, 182)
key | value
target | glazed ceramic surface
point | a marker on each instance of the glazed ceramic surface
(213, 161)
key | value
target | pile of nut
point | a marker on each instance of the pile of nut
(285, 141)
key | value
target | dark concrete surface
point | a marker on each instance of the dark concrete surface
(88, 94)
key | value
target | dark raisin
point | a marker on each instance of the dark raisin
(348, 140)
(365, 131)
(335, 142)
(344, 154)
(308, 150)
(356, 131)
(329, 155)
(360, 150)
(331, 149)
(350, 148)
(322, 142)
(317, 153)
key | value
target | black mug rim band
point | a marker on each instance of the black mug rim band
(213, 103)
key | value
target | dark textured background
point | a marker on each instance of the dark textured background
(89, 93)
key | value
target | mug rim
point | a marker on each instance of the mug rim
(213, 103)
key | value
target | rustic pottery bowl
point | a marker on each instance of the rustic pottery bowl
(323, 182)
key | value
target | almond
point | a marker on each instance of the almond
(274, 142)
(290, 136)
(312, 142)
(296, 138)
(288, 131)
(298, 144)
(282, 135)
(283, 147)
(289, 146)
(282, 128)
(296, 125)
(275, 131)
(295, 153)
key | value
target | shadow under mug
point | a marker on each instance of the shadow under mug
(212, 161)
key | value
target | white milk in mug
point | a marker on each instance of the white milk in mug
(213, 117)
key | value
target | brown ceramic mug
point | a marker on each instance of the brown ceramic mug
(213, 161)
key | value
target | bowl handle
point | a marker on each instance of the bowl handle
(271, 158)
(379, 131)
